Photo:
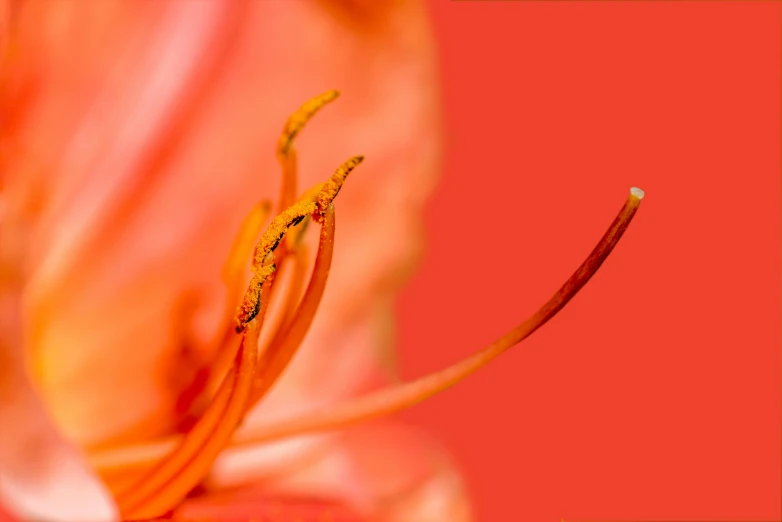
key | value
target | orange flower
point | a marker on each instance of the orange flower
(136, 138)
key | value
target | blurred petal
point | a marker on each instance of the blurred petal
(5, 516)
(114, 90)
(252, 503)
(153, 121)
(41, 475)
(332, 366)
(384, 471)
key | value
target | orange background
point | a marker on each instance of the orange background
(656, 393)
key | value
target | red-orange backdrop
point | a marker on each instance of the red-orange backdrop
(656, 393)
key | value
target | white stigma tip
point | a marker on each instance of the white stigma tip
(635, 191)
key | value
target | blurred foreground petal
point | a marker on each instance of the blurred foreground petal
(384, 471)
(42, 477)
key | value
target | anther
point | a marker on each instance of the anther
(299, 118)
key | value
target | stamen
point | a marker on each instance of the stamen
(281, 349)
(401, 396)
(248, 309)
(169, 481)
(299, 118)
(224, 344)
(286, 154)
(299, 260)
(333, 185)
(384, 401)
(153, 478)
(234, 277)
(288, 287)
(276, 231)
(285, 344)
(233, 269)
(115, 465)
(166, 490)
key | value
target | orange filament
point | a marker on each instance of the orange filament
(282, 346)
(170, 480)
(291, 258)
(299, 260)
(233, 277)
(404, 395)
(163, 483)
(250, 229)
(288, 187)
(115, 465)
(242, 248)
(119, 467)
(154, 498)
(286, 342)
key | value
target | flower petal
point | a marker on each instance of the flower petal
(384, 471)
(251, 503)
(41, 475)
(153, 128)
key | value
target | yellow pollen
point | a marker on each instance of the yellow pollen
(299, 118)
(310, 205)
(333, 185)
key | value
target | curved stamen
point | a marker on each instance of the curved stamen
(276, 231)
(191, 459)
(234, 278)
(152, 498)
(298, 258)
(291, 258)
(133, 458)
(120, 466)
(233, 270)
(286, 154)
(251, 301)
(299, 118)
(286, 343)
(224, 344)
(169, 481)
(401, 396)
(242, 247)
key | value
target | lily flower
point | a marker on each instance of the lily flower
(156, 364)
